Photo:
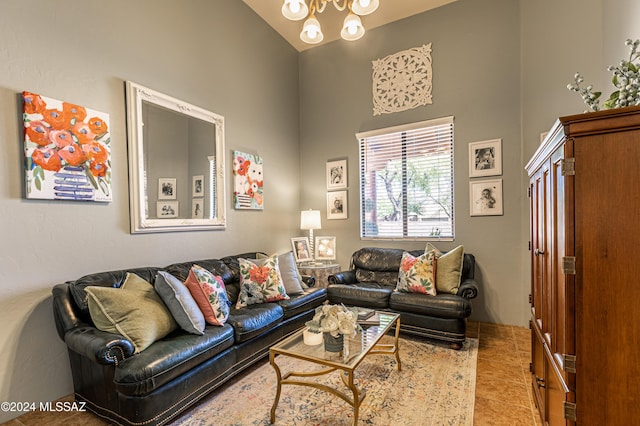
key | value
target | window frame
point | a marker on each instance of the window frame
(363, 137)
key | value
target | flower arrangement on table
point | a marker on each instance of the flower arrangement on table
(335, 320)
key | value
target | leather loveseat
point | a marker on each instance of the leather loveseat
(371, 280)
(154, 386)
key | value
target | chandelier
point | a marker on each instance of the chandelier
(352, 28)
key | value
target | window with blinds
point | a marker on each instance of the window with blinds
(406, 181)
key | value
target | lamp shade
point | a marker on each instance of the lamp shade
(295, 10)
(352, 29)
(310, 219)
(311, 31)
(364, 7)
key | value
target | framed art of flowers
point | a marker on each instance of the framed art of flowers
(247, 189)
(67, 150)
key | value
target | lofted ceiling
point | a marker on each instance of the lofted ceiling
(331, 19)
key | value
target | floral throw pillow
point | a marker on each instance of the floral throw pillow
(210, 294)
(418, 274)
(260, 283)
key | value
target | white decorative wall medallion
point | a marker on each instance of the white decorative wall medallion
(402, 81)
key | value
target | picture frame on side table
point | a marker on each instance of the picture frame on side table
(167, 209)
(167, 189)
(301, 250)
(336, 174)
(485, 197)
(485, 158)
(325, 248)
(337, 205)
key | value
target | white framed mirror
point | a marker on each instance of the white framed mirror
(176, 164)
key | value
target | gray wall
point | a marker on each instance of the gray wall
(500, 67)
(216, 54)
(476, 78)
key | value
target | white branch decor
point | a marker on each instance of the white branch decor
(402, 81)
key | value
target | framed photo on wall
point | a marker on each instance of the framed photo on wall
(485, 158)
(337, 174)
(485, 197)
(197, 186)
(197, 208)
(167, 189)
(301, 250)
(337, 205)
(325, 248)
(167, 209)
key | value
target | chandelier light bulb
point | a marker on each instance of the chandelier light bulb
(294, 10)
(364, 7)
(311, 31)
(352, 28)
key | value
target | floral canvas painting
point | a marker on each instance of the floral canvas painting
(67, 150)
(247, 189)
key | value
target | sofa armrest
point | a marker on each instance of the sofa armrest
(309, 280)
(468, 289)
(343, 277)
(99, 346)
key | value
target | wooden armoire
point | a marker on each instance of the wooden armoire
(585, 270)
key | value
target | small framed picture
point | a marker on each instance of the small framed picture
(167, 189)
(337, 174)
(167, 209)
(301, 249)
(337, 205)
(197, 208)
(325, 248)
(198, 186)
(485, 158)
(485, 197)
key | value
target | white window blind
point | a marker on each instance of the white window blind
(406, 181)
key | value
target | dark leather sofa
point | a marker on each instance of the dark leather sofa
(371, 280)
(154, 386)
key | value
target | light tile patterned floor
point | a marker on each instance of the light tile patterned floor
(503, 381)
(503, 389)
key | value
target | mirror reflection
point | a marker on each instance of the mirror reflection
(176, 158)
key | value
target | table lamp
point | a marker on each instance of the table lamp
(310, 219)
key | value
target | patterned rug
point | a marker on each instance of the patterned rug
(435, 387)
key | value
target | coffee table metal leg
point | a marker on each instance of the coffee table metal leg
(397, 344)
(356, 397)
(279, 386)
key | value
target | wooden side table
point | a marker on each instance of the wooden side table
(321, 272)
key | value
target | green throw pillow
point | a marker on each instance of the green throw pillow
(134, 311)
(448, 268)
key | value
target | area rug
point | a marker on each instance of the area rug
(435, 387)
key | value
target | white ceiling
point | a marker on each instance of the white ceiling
(331, 19)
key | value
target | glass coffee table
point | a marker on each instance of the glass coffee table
(355, 350)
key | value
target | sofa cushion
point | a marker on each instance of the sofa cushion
(252, 320)
(260, 283)
(417, 274)
(298, 303)
(209, 292)
(169, 358)
(378, 265)
(181, 304)
(449, 268)
(134, 311)
(361, 294)
(442, 306)
(113, 279)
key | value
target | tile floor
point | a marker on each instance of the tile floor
(503, 395)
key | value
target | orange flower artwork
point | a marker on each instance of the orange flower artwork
(67, 150)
